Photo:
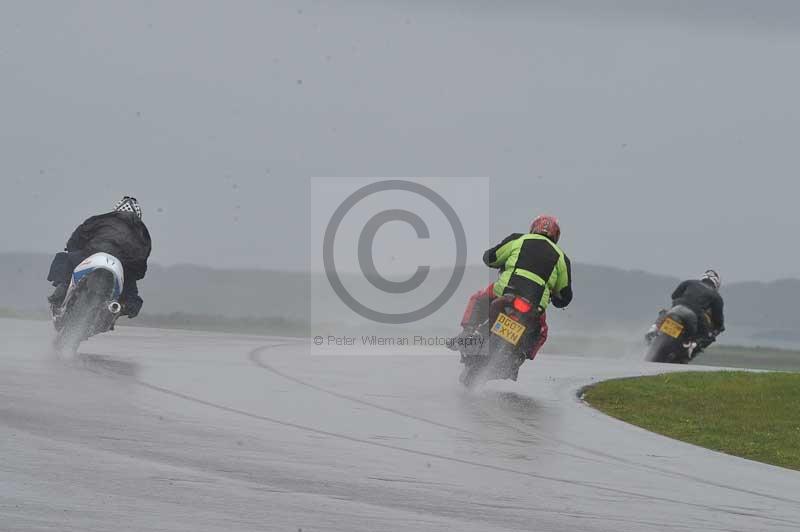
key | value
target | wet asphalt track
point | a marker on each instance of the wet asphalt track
(168, 430)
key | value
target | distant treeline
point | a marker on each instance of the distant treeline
(607, 300)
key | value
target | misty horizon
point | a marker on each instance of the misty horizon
(635, 124)
(398, 274)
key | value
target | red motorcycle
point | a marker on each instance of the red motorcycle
(498, 346)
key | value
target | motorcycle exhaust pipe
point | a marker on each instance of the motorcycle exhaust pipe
(114, 307)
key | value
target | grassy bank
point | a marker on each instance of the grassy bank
(750, 357)
(12, 314)
(752, 415)
(721, 355)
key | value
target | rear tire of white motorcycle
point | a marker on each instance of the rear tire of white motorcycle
(66, 343)
(82, 314)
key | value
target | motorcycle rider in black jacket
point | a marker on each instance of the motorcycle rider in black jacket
(120, 233)
(703, 298)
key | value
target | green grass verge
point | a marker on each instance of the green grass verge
(750, 357)
(752, 415)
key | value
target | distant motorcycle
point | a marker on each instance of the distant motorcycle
(498, 347)
(673, 337)
(91, 305)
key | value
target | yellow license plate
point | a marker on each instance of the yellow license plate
(508, 329)
(671, 327)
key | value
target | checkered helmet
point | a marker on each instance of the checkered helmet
(712, 277)
(129, 204)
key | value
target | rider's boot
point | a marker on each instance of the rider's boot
(466, 337)
(476, 312)
(58, 295)
(461, 339)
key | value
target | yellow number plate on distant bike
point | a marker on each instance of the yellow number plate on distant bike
(508, 329)
(671, 328)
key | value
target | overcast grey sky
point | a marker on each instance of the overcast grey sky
(663, 134)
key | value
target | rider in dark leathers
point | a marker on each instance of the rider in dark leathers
(120, 233)
(702, 297)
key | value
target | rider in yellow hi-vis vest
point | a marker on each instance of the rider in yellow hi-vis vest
(532, 266)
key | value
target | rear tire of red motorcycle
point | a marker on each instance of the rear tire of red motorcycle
(469, 377)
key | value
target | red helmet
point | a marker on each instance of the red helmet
(547, 226)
